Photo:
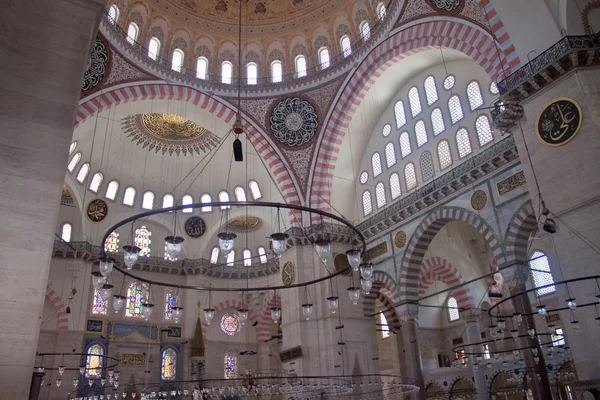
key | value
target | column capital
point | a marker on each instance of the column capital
(407, 312)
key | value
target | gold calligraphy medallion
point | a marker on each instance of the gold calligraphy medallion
(97, 210)
(559, 122)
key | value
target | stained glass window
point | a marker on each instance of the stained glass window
(142, 240)
(99, 306)
(230, 259)
(230, 324)
(112, 243)
(93, 361)
(453, 313)
(170, 302)
(168, 369)
(137, 294)
(230, 365)
(540, 271)
(494, 88)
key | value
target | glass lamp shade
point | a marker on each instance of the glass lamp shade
(333, 303)
(571, 304)
(243, 315)
(147, 310)
(354, 294)
(542, 310)
(118, 302)
(307, 310)
(117, 375)
(366, 285)
(226, 242)
(81, 369)
(98, 280)
(130, 256)
(279, 242)
(174, 245)
(531, 332)
(501, 324)
(514, 333)
(517, 318)
(209, 314)
(75, 382)
(354, 257)
(275, 314)
(177, 312)
(106, 266)
(106, 291)
(366, 270)
(323, 248)
(61, 370)
(58, 382)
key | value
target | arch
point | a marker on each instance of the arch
(385, 290)
(470, 40)
(430, 225)
(61, 310)
(439, 269)
(522, 224)
(263, 330)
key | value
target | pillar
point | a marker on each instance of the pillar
(45, 47)
(473, 331)
(412, 350)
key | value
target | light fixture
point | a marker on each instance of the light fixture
(81, 369)
(131, 255)
(366, 285)
(226, 242)
(243, 315)
(323, 249)
(58, 382)
(571, 303)
(279, 242)
(275, 314)
(333, 303)
(61, 370)
(98, 280)
(354, 258)
(542, 310)
(106, 291)
(517, 318)
(354, 294)
(209, 314)
(118, 302)
(75, 382)
(514, 333)
(147, 309)
(307, 309)
(366, 270)
(177, 312)
(174, 246)
(531, 332)
(106, 266)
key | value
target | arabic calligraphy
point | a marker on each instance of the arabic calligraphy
(195, 227)
(559, 122)
(447, 6)
(97, 210)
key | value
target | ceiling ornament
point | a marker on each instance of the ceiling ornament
(294, 121)
(97, 210)
(447, 6)
(98, 65)
(195, 227)
(168, 133)
(245, 223)
(66, 198)
(479, 200)
(400, 239)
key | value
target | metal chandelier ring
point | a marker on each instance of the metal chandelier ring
(150, 213)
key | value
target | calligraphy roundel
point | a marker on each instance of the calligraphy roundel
(294, 121)
(97, 210)
(447, 6)
(559, 122)
(97, 68)
(195, 227)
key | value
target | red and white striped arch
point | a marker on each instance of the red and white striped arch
(263, 330)
(61, 310)
(225, 305)
(438, 269)
(138, 92)
(493, 56)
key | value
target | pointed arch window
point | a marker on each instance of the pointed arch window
(148, 201)
(380, 195)
(300, 63)
(96, 182)
(390, 154)
(111, 244)
(431, 92)
(410, 176)
(474, 95)
(201, 68)
(177, 60)
(255, 190)
(324, 60)
(381, 11)
(205, 198)
(153, 48)
(427, 169)
(399, 114)
(214, 255)
(65, 232)
(111, 190)
(142, 240)
(72, 147)
(99, 305)
(395, 186)
(113, 14)
(444, 155)
(170, 302)
(484, 130)
(73, 162)
(93, 361)
(262, 254)
(230, 365)
(346, 45)
(230, 259)
(420, 133)
(463, 143)
(365, 30)
(383, 326)
(224, 197)
(129, 196)
(168, 366)
(276, 71)
(405, 148)
(455, 108)
(453, 314)
(415, 101)
(437, 121)
(137, 295)
(240, 194)
(226, 72)
(376, 164)
(132, 33)
(247, 258)
(541, 273)
(168, 201)
(83, 172)
(251, 73)
(187, 200)
(367, 203)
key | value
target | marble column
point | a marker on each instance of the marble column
(473, 331)
(412, 350)
(45, 47)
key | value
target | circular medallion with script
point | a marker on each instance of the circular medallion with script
(559, 122)
(195, 227)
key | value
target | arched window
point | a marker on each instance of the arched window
(186, 200)
(430, 90)
(96, 182)
(427, 170)
(168, 366)
(153, 48)
(437, 121)
(170, 302)
(346, 45)
(129, 196)
(111, 190)
(230, 259)
(111, 244)
(255, 190)
(214, 255)
(168, 201)
(132, 33)
(324, 57)
(226, 72)
(148, 201)
(72, 147)
(390, 154)
(387, 129)
(224, 197)
(177, 60)
(383, 326)
(300, 63)
(541, 273)
(420, 133)
(276, 71)
(415, 101)
(399, 114)
(142, 240)
(453, 313)
(474, 95)
(410, 176)
(73, 162)
(455, 108)
(99, 305)
(449, 82)
(367, 203)
(463, 143)
(376, 164)
(66, 231)
(262, 254)
(405, 148)
(380, 195)
(113, 14)
(83, 172)
(484, 130)
(167, 256)
(494, 89)
(247, 258)
(201, 68)
(395, 187)
(230, 365)
(137, 295)
(240, 194)
(205, 198)
(251, 73)
(93, 361)
(381, 11)
(444, 155)
(365, 30)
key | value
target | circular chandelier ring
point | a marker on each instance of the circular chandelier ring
(527, 336)
(104, 357)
